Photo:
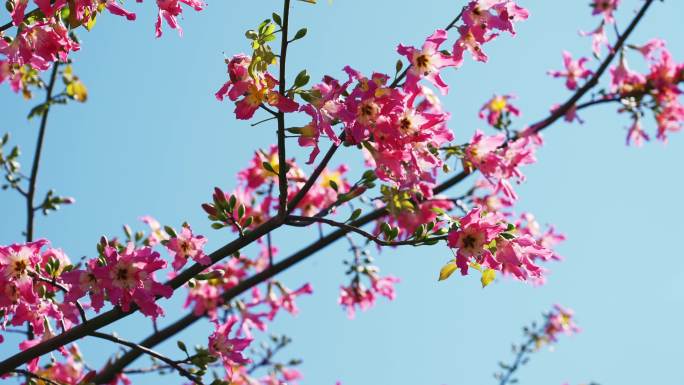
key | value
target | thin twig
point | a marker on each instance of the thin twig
(295, 220)
(182, 371)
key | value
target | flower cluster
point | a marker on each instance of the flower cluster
(253, 89)
(499, 160)
(487, 242)
(658, 91)
(30, 279)
(356, 294)
(47, 36)
(122, 275)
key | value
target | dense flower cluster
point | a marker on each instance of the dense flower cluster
(47, 36)
(485, 240)
(357, 295)
(122, 275)
(658, 90)
(254, 90)
(27, 294)
(499, 160)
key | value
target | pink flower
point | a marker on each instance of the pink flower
(598, 39)
(427, 62)
(384, 286)
(494, 14)
(574, 70)
(636, 134)
(255, 90)
(126, 276)
(356, 296)
(649, 49)
(605, 8)
(157, 234)
(39, 45)
(496, 108)
(476, 230)
(559, 320)
(169, 10)
(471, 39)
(186, 245)
(230, 350)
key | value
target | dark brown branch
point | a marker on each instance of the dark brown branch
(282, 159)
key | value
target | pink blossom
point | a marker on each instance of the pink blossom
(254, 91)
(476, 230)
(649, 49)
(598, 39)
(559, 320)
(605, 8)
(169, 10)
(229, 349)
(126, 276)
(186, 245)
(427, 62)
(496, 107)
(574, 70)
(356, 296)
(636, 134)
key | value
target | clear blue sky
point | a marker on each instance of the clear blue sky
(152, 140)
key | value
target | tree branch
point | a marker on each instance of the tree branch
(282, 161)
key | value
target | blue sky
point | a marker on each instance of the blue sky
(153, 140)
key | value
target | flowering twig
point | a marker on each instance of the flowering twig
(295, 220)
(37, 377)
(63, 289)
(174, 364)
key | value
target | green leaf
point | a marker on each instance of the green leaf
(355, 215)
(333, 185)
(181, 346)
(300, 34)
(302, 79)
(276, 19)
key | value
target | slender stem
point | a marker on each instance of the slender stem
(295, 220)
(282, 159)
(10, 24)
(37, 377)
(523, 352)
(593, 81)
(182, 371)
(33, 179)
(63, 289)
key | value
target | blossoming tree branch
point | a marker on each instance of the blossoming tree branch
(399, 127)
